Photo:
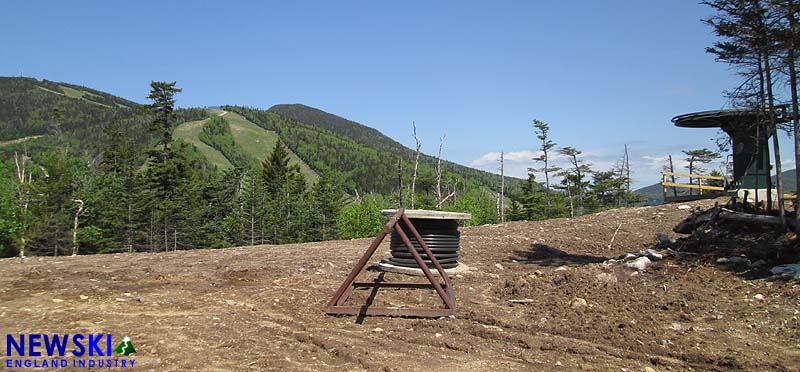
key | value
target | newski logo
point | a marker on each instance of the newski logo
(37, 350)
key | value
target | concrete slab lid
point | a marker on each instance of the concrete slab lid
(430, 215)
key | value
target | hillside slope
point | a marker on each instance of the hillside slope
(266, 303)
(373, 138)
(39, 116)
(189, 132)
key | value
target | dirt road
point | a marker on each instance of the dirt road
(262, 308)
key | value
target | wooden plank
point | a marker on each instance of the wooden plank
(389, 311)
(430, 215)
(687, 186)
(693, 176)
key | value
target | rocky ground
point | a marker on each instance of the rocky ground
(262, 308)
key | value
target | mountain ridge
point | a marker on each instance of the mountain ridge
(48, 114)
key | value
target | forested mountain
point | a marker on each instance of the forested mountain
(42, 115)
(87, 172)
(373, 138)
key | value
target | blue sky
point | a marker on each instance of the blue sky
(601, 73)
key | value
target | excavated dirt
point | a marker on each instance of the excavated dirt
(262, 308)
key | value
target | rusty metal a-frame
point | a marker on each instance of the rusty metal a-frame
(444, 290)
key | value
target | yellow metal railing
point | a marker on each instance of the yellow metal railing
(698, 186)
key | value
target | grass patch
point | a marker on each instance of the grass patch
(258, 143)
(190, 132)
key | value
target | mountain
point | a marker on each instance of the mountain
(40, 115)
(789, 181)
(373, 138)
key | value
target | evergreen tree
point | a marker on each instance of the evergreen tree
(547, 145)
(10, 224)
(253, 209)
(696, 157)
(327, 204)
(284, 188)
(575, 179)
(165, 170)
(163, 96)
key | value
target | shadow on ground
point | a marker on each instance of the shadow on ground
(545, 255)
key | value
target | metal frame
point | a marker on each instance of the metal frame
(444, 290)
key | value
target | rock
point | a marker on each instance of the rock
(629, 256)
(578, 303)
(758, 296)
(736, 260)
(654, 255)
(640, 263)
(649, 369)
(57, 300)
(499, 266)
(377, 329)
(684, 207)
(606, 278)
(663, 238)
(758, 263)
(558, 364)
(84, 297)
(561, 268)
(438, 335)
(790, 271)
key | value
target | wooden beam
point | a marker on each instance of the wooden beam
(688, 186)
(693, 176)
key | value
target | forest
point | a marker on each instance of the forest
(99, 174)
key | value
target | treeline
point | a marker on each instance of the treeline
(145, 191)
(579, 190)
(166, 196)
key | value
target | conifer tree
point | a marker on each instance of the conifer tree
(327, 203)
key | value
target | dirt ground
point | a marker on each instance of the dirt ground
(262, 308)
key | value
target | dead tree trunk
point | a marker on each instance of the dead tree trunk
(502, 190)
(672, 170)
(776, 147)
(416, 163)
(795, 114)
(23, 196)
(78, 213)
(400, 183)
(571, 207)
(440, 197)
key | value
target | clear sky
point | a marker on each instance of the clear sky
(601, 73)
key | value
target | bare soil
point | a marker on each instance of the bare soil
(262, 308)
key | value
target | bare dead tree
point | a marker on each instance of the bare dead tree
(502, 189)
(440, 197)
(400, 183)
(23, 195)
(672, 170)
(416, 162)
(78, 213)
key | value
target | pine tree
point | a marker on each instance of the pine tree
(698, 156)
(165, 171)
(575, 178)
(163, 96)
(327, 204)
(284, 190)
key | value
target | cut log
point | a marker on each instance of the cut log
(727, 214)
